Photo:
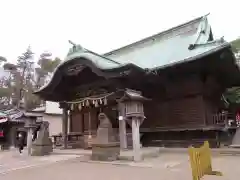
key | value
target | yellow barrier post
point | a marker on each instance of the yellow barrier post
(200, 160)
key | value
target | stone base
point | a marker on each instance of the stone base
(105, 152)
(41, 150)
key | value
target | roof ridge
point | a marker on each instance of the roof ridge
(158, 34)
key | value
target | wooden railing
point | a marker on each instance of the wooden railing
(227, 119)
(220, 119)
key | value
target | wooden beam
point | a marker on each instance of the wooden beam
(110, 85)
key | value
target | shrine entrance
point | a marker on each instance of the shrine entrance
(87, 84)
(85, 122)
(83, 115)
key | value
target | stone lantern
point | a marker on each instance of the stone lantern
(134, 108)
(134, 115)
(30, 124)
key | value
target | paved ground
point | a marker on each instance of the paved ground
(12, 160)
(74, 169)
(67, 166)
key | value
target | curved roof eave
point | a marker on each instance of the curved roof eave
(99, 62)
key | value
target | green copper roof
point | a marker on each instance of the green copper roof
(173, 46)
(2, 114)
(80, 55)
(182, 43)
(101, 62)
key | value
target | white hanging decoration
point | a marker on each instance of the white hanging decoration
(105, 101)
(93, 102)
(96, 103)
(80, 107)
(72, 107)
(83, 104)
(100, 101)
(87, 103)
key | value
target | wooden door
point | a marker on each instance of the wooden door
(76, 124)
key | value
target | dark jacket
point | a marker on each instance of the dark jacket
(21, 141)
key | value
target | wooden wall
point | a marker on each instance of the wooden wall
(176, 113)
(185, 101)
(189, 101)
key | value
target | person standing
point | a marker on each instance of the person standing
(20, 142)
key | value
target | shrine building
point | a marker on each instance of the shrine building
(180, 73)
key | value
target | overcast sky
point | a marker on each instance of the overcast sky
(102, 25)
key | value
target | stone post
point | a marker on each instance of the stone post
(122, 127)
(29, 140)
(12, 137)
(69, 121)
(136, 139)
(64, 127)
(30, 124)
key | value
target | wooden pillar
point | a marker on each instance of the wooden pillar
(69, 121)
(136, 139)
(12, 137)
(64, 127)
(86, 123)
(94, 120)
(87, 130)
(89, 122)
(122, 127)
